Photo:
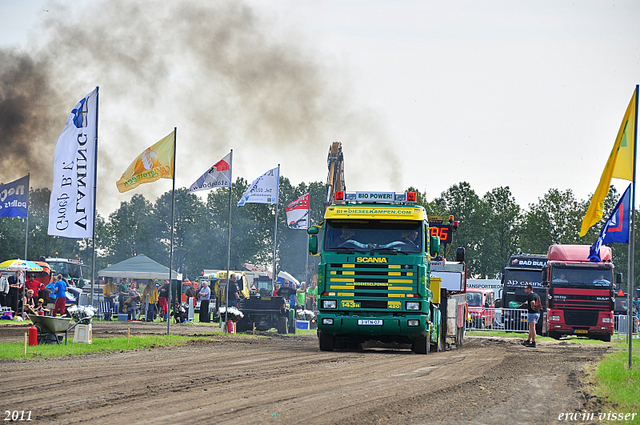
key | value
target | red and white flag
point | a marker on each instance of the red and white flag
(219, 175)
(298, 213)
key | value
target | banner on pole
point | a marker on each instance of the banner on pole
(616, 229)
(219, 175)
(14, 198)
(619, 165)
(263, 190)
(298, 213)
(74, 160)
(156, 162)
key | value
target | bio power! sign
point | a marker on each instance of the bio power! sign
(375, 196)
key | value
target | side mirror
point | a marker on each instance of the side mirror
(543, 276)
(618, 278)
(434, 246)
(313, 243)
(312, 230)
(460, 254)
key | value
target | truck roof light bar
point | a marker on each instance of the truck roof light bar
(374, 197)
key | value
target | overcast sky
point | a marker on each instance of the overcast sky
(526, 94)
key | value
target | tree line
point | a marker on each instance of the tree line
(492, 228)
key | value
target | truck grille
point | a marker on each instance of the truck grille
(581, 317)
(372, 286)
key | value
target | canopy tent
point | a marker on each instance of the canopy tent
(139, 267)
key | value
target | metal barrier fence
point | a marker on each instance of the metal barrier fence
(620, 328)
(515, 320)
(497, 319)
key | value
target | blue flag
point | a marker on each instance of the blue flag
(14, 198)
(616, 229)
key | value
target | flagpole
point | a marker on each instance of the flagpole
(26, 229)
(306, 247)
(173, 204)
(632, 238)
(275, 234)
(95, 187)
(228, 239)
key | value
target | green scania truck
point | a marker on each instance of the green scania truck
(374, 280)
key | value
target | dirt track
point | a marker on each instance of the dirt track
(286, 379)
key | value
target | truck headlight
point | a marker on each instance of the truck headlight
(413, 323)
(413, 305)
(327, 321)
(554, 318)
(329, 304)
(607, 320)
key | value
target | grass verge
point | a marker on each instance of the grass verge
(15, 350)
(617, 385)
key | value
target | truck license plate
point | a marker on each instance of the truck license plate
(581, 331)
(369, 322)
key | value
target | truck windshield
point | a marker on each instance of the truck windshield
(520, 278)
(474, 299)
(590, 278)
(372, 235)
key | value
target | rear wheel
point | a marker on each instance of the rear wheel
(327, 341)
(293, 325)
(283, 323)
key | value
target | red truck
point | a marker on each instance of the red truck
(580, 292)
(482, 307)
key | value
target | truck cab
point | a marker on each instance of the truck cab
(374, 280)
(482, 307)
(581, 295)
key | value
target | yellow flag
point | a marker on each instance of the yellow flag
(619, 165)
(156, 162)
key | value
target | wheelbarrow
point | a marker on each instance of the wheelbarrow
(49, 328)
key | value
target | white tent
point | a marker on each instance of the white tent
(139, 267)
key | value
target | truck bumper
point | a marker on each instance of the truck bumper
(409, 326)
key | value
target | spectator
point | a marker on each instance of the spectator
(4, 291)
(132, 302)
(29, 304)
(192, 292)
(40, 308)
(277, 288)
(122, 294)
(233, 291)
(301, 295)
(532, 316)
(33, 284)
(287, 292)
(150, 298)
(163, 296)
(312, 294)
(16, 284)
(59, 291)
(109, 291)
(205, 295)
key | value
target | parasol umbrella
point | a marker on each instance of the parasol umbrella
(16, 265)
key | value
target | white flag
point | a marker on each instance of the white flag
(263, 190)
(217, 176)
(72, 194)
(298, 213)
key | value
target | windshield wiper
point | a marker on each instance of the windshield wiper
(389, 251)
(349, 250)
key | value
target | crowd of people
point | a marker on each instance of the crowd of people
(31, 296)
(149, 301)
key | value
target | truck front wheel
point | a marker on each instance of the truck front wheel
(421, 346)
(327, 341)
